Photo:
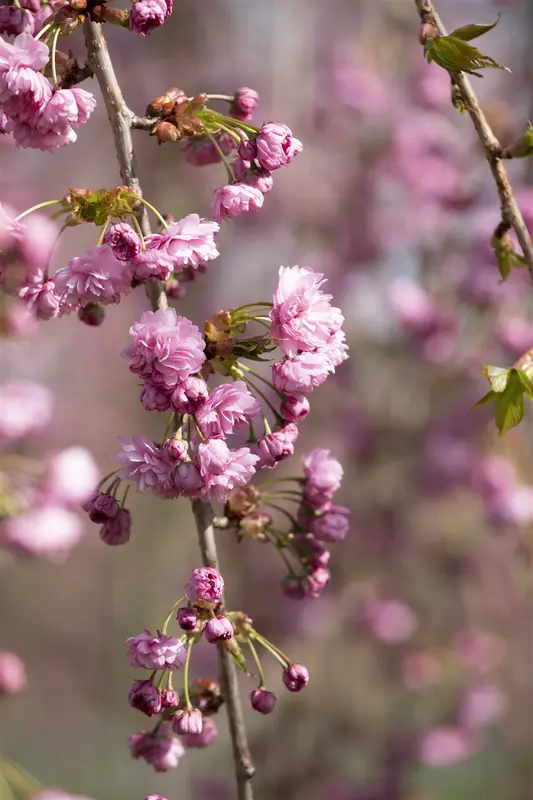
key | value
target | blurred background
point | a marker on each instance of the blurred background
(420, 650)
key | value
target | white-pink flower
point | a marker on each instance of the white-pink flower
(97, 277)
(165, 349)
(146, 465)
(187, 243)
(49, 532)
(302, 316)
(155, 652)
(25, 407)
(71, 476)
(229, 406)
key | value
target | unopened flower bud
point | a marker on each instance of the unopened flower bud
(242, 500)
(294, 407)
(293, 587)
(164, 104)
(295, 677)
(205, 585)
(247, 150)
(205, 738)
(255, 524)
(176, 449)
(263, 701)
(261, 179)
(145, 697)
(245, 102)
(206, 695)
(102, 508)
(117, 530)
(189, 395)
(185, 722)
(166, 132)
(92, 315)
(218, 629)
(175, 289)
(170, 699)
(187, 619)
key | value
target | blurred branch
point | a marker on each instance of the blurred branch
(244, 768)
(122, 120)
(511, 213)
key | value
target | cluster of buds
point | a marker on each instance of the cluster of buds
(187, 714)
(250, 510)
(39, 497)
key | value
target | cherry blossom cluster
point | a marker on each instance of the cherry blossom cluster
(250, 511)
(174, 361)
(122, 258)
(28, 16)
(187, 714)
(38, 498)
(37, 113)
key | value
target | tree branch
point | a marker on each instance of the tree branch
(511, 213)
(122, 120)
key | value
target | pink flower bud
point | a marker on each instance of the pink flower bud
(247, 150)
(276, 446)
(170, 699)
(218, 629)
(316, 582)
(295, 677)
(235, 199)
(293, 587)
(185, 722)
(175, 289)
(123, 241)
(187, 619)
(205, 584)
(176, 449)
(263, 701)
(245, 102)
(333, 525)
(117, 530)
(12, 673)
(295, 407)
(260, 179)
(154, 398)
(92, 315)
(189, 395)
(147, 15)
(205, 738)
(102, 507)
(145, 697)
(276, 146)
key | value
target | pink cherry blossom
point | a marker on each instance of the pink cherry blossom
(238, 471)
(294, 407)
(165, 348)
(152, 264)
(155, 652)
(146, 465)
(97, 277)
(123, 240)
(205, 584)
(161, 750)
(333, 525)
(26, 407)
(71, 476)
(154, 398)
(187, 243)
(13, 678)
(442, 746)
(245, 101)
(274, 447)
(276, 146)
(301, 373)
(482, 705)
(235, 199)
(229, 406)
(205, 738)
(66, 108)
(41, 299)
(324, 475)
(302, 315)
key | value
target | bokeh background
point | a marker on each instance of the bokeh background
(421, 649)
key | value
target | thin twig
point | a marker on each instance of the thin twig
(509, 207)
(244, 768)
(122, 120)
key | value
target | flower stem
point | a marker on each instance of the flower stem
(37, 207)
(257, 660)
(166, 623)
(154, 210)
(188, 704)
(278, 655)
(283, 511)
(263, 397)
(53, 56)
(44, 30)
(231, 176)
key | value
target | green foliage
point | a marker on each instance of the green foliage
(509, 387)
(506, 256)
(454, 53)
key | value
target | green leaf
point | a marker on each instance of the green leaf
(468, 32)
(526, 382)
(487, 398)
(456, 55)
(509, 409)
(498, 377)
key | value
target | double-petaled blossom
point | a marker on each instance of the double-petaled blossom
(229, 406)
(302, 317)
(276, 146)
(189, 396)
(294, 407)
(147, 15)
(185, 722)
(155, 652)
(186, 243)
(146, 465)
(145, 697)
(161, 749)
(151, 264)
(65, 109)
(223, 469)
(41, 299)
(235, 199)
(205, 738)
(301, 373)
(165, 348)
(97, 277)
(123, 240)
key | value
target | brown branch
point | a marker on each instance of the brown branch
(121, 120)
(511, 213)
(244, 768)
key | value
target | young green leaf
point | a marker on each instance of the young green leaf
(526, 382)
(506, 256)
(468, 32)
(456, 55)
(508, 387)
(509, 408)
(498, 377)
